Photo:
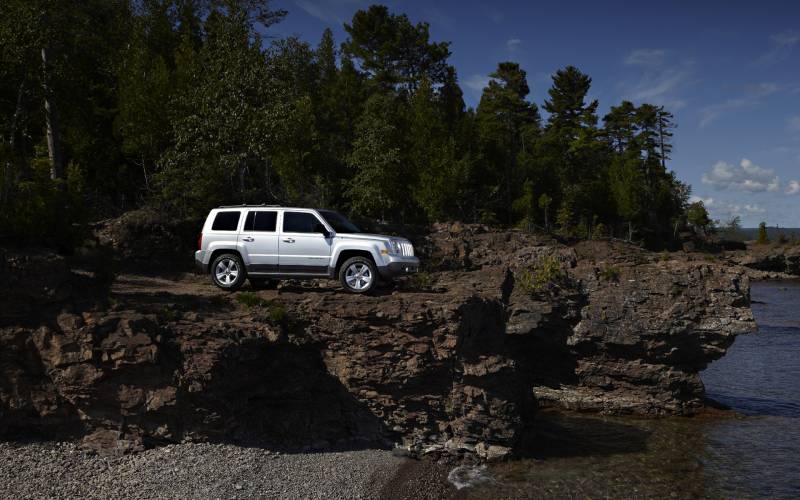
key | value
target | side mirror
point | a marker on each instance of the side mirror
(319, 228)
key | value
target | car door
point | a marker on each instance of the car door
(259, 239)
(304, 249)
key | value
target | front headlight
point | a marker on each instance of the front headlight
(394, 247)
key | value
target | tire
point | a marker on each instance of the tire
(262, 283)
(358, 275)
(228, 272)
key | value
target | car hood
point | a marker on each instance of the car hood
(368, 236)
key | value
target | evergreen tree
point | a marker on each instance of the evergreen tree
(396, 53)
(571, 150)
(508, 124)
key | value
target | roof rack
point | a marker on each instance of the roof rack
(245, 206)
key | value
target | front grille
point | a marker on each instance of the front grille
(407, 249)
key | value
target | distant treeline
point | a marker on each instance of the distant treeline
(108, 105)
(773, 233)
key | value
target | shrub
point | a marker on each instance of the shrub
(610, 273)
(422, 279)
(546, 275)
(251, 300)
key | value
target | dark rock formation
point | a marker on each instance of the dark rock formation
(452, 361)
(769, 261)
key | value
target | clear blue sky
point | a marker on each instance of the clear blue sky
(728, 70)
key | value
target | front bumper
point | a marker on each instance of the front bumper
(199, 261)
(398, 266)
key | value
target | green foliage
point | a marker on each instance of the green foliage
(763, 239)
(41, 210)
(276, 312)
(697, 215)
(378, 185)
(422, 280)
(250, 300)
(546, 275)
(610, 273)
(187, 105)
(394, 51)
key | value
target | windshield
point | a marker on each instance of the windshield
(339, 222)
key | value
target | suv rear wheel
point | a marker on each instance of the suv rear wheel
(358, 275)
(228, 272)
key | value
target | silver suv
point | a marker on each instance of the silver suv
(267, 242)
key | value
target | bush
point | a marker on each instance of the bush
(548, 274)
(610, 273)
(43, 211)
(422, 279)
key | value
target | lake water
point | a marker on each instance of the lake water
(754, 456)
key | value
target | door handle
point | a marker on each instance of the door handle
(288, 240)
(248, 238)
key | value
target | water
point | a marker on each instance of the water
(756, 455)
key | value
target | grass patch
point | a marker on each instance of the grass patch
(276, 312)
(251, 300)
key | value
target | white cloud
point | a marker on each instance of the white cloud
(793, 188)
(513, 44)
(782, 45)
(746, 177)
(645, 57)
(659, 82)
(710, 113)
(322, 12)
(725, 210)
(764, 88)
(477, 82)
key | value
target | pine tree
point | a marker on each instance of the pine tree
(507, 124)
(396, 53)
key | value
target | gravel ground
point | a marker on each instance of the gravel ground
(37, 470)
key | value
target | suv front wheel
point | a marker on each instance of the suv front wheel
(228, 272)
(358, 275)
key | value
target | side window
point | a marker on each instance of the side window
(299, 222)
(226, 221)
(260, 221)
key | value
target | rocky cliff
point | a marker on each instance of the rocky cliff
(454, 360)
(769, 261)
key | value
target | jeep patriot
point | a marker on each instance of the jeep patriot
(264, 242)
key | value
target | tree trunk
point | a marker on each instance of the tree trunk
(12, 141)
(661, 145)
(51, 121)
